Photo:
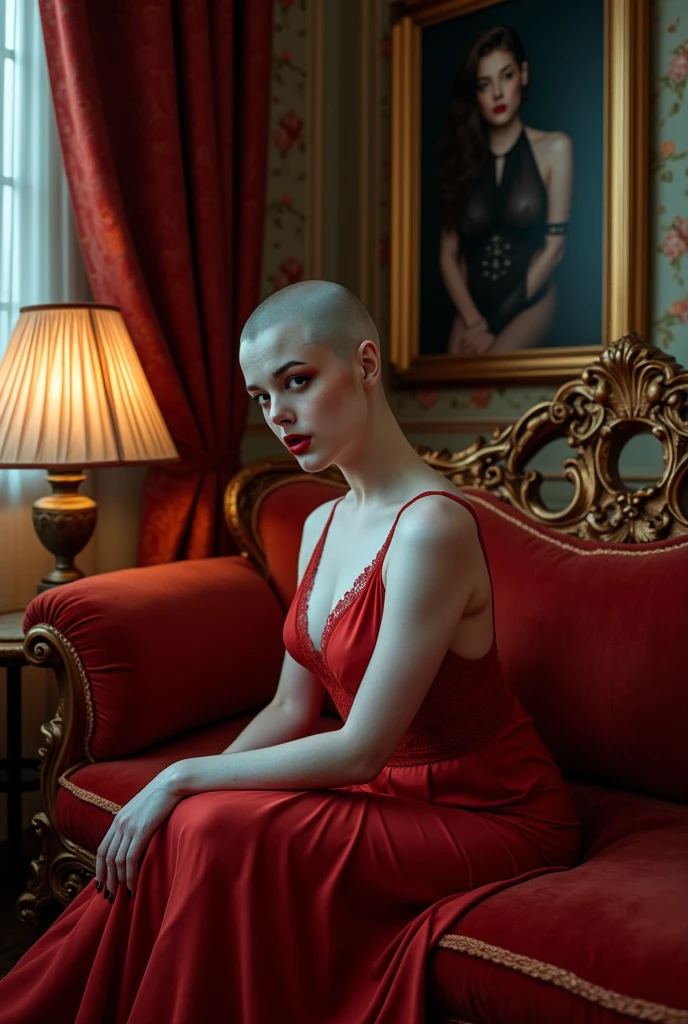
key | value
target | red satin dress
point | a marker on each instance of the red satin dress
(317, 906)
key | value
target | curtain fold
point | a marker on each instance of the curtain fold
(162, 110)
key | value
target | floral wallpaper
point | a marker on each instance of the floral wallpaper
(285, 218)
(669, 166)
(284, 248)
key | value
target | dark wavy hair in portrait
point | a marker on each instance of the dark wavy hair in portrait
(464, 148)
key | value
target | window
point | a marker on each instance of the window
(8, 203)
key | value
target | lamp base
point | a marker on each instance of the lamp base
(64, 522)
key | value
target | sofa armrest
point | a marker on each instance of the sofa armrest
(142, 655)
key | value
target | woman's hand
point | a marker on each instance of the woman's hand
(118, 855)
(477, 338)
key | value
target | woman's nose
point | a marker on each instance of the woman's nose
(279, 414)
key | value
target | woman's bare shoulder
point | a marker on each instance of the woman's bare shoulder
(550, 144)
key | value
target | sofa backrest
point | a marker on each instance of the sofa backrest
(590, 636)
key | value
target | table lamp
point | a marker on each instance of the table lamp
(73, 394)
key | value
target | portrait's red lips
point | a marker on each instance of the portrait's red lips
(499, 109)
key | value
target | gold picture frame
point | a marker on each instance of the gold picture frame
(626, 202)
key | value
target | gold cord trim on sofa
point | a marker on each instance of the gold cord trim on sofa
(86, 795)
(85, 684)
(641, 1009)
(88, 697)
(569, 547)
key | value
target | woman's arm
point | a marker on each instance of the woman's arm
(272, 725)
(454, 280)
(558, 210)
(323, 761)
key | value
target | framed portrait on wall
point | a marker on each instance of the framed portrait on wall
(519, 192)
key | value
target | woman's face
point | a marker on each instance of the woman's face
(315, 396)
(499, 87)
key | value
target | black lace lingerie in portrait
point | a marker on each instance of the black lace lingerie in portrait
(500, 229)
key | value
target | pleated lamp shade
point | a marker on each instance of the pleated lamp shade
(73, 393)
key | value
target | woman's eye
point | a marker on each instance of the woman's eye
(297, 376)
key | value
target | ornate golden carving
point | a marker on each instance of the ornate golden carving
(59, 873)
(630, 389)
(63, 867)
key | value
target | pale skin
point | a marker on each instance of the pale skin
(499, 84)
(438, 595)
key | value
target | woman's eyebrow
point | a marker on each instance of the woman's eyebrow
(276, 374)
(485, 78)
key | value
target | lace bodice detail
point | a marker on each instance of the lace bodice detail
(467, 703)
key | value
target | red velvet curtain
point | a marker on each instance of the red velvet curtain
(162, 109)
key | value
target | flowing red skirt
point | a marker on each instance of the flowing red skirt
(256, 906)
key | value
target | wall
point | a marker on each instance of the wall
(344, 132)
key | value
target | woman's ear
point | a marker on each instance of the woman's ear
(369, 355)
(524, 74)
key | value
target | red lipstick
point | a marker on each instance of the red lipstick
(499, 109)
(297, 443)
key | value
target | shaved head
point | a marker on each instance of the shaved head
(322, 312)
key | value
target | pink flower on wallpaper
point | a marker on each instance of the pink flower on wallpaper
(286, 199)
(282, 139)
(679, 309)
(284, 3)
(285, 56)
(426, 397)
(288, 131)
(385, 47)
(292, 124)
(481, 397)
(680, 225)
(674, 245)
(383, 250)
(678, 68)
(289, 271)
(667, 148)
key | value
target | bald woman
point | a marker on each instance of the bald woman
(302, 875)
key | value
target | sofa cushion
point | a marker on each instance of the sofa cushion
(591, 640)
(90, 795)
(607, 940)
(145, 637)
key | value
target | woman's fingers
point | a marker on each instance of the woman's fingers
(132, 868)
(121, 860)
(111, 880)
(101, 859)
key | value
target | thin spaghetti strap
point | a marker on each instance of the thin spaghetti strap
(470, 508)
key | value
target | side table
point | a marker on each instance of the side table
(17, 774)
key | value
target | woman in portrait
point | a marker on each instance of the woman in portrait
(302, 875)
(504, 193)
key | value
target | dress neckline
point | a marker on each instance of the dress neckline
(507, 152)
(361, 582)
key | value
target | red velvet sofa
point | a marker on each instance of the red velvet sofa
(156, 664)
